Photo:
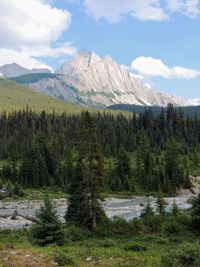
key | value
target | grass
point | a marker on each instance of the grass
(15, 97)
(141, 251)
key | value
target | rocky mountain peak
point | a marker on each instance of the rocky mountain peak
(105, 82)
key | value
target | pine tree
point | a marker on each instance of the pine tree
(92, 161)
(78, 210)
(148, 210)
(48, 228)
(160, 203)
(123, 169)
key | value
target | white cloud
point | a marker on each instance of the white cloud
(157, 10)
(29, 28)
(151, 67)
(189, 8)
(46, 51)
(8, 56)
(113, 10)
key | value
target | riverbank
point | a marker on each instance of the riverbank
(114, 207)
(125, 206)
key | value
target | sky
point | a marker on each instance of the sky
(157, 40)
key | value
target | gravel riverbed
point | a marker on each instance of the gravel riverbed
(126, 208)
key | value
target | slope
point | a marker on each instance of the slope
(14, 97)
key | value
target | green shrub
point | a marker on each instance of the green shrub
(171, 227)
(62, 259)
(154, 222)
(184, 256)
(74, 233)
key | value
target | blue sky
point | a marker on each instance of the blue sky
(158, 40)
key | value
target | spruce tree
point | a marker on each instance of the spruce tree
(78, 202)
(161, 203)
(47, 229)
(91, 158)
(148, 210)
(123, 170)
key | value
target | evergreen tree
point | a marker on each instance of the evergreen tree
(123, 170)
(47, 229)
(93, 170)
(78, 210)
(161, 203)
(148, 210)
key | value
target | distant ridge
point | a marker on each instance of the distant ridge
(155, 109)
(14, 70)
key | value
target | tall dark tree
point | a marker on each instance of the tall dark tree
(123, 171)
(92, 161)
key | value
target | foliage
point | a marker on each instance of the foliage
(144, 152)
(62, 259)
(85, 189)
(48, 228)
(183, 256)
(148, 210)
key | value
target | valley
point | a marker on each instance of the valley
(99, 133)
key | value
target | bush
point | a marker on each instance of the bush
(154, 222)
(74, 233)
(63, 259)
(171, 227)
(196, 223)
(184, 256)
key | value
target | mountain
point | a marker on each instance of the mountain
(193, 102)
(14, 70)
(98, 82)
(103, 81)
(1, 75)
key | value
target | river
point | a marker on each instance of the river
(126, 208)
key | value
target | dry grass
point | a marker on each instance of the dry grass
(24, 258)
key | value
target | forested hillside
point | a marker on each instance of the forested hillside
(189, 110)
(146, 152)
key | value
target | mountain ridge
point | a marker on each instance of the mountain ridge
(14, 70)
(98, 82)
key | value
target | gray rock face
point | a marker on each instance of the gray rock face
(90, 80)
(14, 70)
(103, 81)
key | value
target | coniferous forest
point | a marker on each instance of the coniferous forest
(145, 152)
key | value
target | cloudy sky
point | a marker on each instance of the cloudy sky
(157, 40)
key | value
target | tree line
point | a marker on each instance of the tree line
(146, 151)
